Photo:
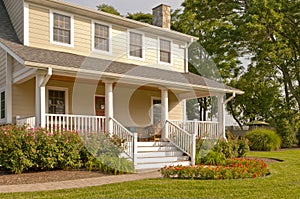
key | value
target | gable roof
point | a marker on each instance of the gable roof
(36, 57)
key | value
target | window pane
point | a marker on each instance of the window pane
(62, 28)
(56, 102)
(101, 37)
(136, 45)
(2, 105)
(156, 111)
(165, 51)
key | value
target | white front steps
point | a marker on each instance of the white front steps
(156, 155)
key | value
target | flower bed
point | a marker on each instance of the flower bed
(232, 169)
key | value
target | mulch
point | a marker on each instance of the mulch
(46, 176)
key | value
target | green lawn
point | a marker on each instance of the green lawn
(284, 182)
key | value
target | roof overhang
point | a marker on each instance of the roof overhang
(130, 79)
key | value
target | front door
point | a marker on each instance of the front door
(100, 106)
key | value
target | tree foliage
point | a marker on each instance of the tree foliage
(108, 9)
(266, 31)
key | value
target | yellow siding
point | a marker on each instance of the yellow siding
(15, 9)
(2, 68)
(24, 99)
(39, 33)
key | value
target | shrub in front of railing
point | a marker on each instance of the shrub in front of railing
(214, 151)
(23, 149)
(102, 153)
(231, 169)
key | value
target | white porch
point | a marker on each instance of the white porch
(180, 134)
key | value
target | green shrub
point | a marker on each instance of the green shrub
(263, 140)
(37, 149)
(233, 147)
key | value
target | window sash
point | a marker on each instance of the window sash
(56, 102)
(2, 105)
(136, 45)
(61, 28)
(101, 37)
(165, 51)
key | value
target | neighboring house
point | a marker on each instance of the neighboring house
(63, 66)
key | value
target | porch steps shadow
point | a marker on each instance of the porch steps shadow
(156, 155)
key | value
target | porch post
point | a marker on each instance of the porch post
(221, 115)
(41, 79)
(109, 105)
(39, 97)
(164, 112)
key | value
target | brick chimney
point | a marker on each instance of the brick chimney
(162, 16)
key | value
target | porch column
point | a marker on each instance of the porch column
(8, 90)
(41, 79)
(40, 98)
(109, 105)
(221, 115)
(164, 112)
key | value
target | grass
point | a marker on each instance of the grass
(284, 182)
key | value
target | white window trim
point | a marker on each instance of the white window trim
(26, 24)
(109, 52)
(3, 120)
(51, 28)
(58, 89)
(171, 51)
(143, 45)
(151, 111)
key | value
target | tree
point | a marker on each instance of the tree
(139, 16)
(109, 9)
(268, 32)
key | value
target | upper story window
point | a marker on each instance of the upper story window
(165, 51)
(2, 105)
(62, 31)
(136, 45)
(101, 37)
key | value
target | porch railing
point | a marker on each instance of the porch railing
(182, 139)
(130, 148)
(202, 129)
(79, 123)
(28, 121)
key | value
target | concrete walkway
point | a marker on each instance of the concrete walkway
(80, 183)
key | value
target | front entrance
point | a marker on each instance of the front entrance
(100, 106)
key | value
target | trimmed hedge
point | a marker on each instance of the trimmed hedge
(263, 140)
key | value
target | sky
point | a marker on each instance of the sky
(129, 6)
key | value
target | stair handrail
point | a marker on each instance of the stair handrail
(131, 139)
(183, 140)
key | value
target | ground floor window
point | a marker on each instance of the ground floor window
(156, 111)
(56, 102)
(2, 105)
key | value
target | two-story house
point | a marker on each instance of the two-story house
(64, 66)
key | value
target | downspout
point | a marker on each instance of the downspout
(43, 97)
(186, 55)
(224, 110)
(47, 77)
